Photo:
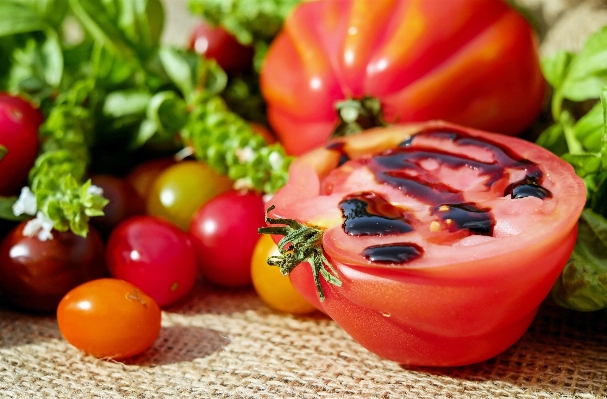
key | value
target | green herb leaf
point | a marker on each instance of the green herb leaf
(584, 164)
(6, 209)
(3, 151)
(19, 18)
(583, 283)
(556, 67)
(588, 70)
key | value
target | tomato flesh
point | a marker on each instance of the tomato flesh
(446, 239)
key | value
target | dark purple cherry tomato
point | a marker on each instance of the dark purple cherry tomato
(35, 274)
(19, 122)
(155, 256)
(218, 44)
(224, 234)
(124, 202)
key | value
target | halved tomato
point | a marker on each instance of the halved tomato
(441, 241)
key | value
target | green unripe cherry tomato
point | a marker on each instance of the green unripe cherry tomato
(181, 189)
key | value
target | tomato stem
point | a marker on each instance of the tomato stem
(301, 243)
(356, 115)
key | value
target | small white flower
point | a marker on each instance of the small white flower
(41, 225)
(26, 204)
(243, 184)
(93, 189)
(267, 197)
(275, 160)
(244, 155)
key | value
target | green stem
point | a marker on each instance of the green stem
(301, 243)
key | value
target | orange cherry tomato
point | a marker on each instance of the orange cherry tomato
(272, 287)
(109, 318)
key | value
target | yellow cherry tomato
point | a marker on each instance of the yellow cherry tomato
(182, 188)
(275, 289)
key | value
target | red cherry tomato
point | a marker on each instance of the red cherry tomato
(109, 318)
(154, 255)
(445, 239)
(35, 274)
(224, 234)
(472, 62)
(218, 44)
(19, 122)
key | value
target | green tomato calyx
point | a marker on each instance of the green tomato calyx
(301, 243)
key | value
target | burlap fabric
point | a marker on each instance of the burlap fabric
(228, 344)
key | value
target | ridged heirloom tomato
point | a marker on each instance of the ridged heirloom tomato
(445, 239)
(471, 62)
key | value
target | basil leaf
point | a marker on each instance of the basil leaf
(18, 18)
(6, 209)
(583, 283)
(588, 71)
(122, 103)
(553, 139)
(584, 164)
(180, 68)
(556, 67)
(168, 111)
(589, 129)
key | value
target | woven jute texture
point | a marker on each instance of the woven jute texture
(228, 344)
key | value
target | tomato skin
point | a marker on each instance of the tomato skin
(459, 303)
(275, 289)
(35, 275)
(19, 122)
(155, 256)
(214, 42)
(224, 234)
(109, 318)
(124, 202)
(179, 190)
(470, 62)
(142, 176)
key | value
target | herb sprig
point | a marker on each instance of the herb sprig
(104, 80)
(579, 136)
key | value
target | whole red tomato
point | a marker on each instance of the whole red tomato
(214, 42)
(19, 122)
(472, 62)
(445, 239)
(35, 274)
(155, 256)
(224, 234)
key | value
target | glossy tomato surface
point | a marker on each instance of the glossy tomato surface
(472, 62)
(109, 318)
(224, 234)
(35, 274)
(179, 190)
(19, 122)
(445, 239)
(215, 43)
(155, 256)
(274, 288)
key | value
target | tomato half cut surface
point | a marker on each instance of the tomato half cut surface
(445, 239)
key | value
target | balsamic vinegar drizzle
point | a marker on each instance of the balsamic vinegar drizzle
(369, 214)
